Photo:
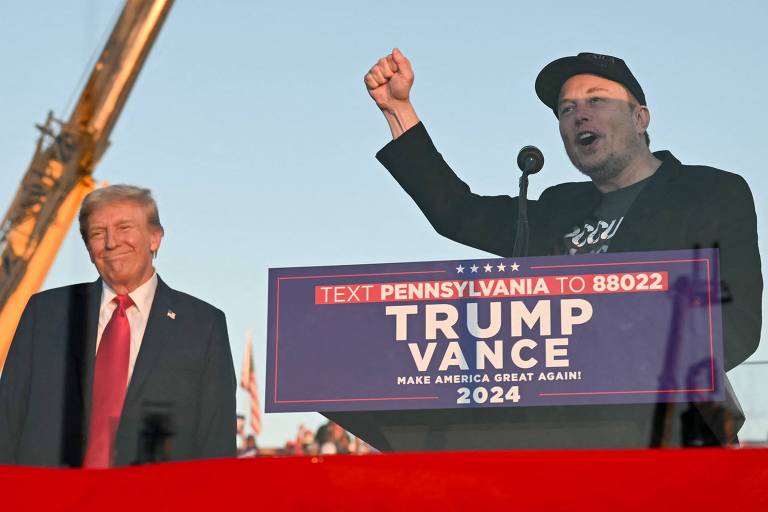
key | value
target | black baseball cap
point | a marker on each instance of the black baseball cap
(554, 75)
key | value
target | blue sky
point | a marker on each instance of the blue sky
(251, 124)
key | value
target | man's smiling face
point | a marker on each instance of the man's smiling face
(121, 243)
(600, 125)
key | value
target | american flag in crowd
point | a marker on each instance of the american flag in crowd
(248, 383)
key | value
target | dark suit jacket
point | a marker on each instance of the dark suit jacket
(183, 382)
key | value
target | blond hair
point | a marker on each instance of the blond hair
(114, 194)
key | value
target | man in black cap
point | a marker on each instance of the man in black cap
(635, 200)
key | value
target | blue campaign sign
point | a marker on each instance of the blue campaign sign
(561, 330)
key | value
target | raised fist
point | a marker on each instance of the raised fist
(390, 80)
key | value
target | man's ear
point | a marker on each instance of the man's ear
(642, 118)
(154, 240)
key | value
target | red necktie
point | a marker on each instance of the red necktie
(110, 379)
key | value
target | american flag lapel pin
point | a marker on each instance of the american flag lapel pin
(171, 314)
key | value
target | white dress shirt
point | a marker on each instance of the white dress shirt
(138, 314)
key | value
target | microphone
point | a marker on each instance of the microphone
(530, 160)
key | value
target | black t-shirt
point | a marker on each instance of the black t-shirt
(593, 235)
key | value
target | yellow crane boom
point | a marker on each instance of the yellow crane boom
(60, 173)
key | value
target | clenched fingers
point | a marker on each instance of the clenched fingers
(370, 81)
(381, 72)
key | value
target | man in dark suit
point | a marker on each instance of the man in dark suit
(122, 370)
(636, 200)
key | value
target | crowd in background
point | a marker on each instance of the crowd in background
(329, 439)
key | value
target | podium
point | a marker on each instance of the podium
(623, 426)
(605, 351)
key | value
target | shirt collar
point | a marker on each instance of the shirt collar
(142, 296)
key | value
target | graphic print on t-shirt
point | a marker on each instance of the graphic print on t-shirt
(593, 237)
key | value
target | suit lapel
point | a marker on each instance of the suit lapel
(645, 209)
(160, 329)
(89, 302)
(79, 337)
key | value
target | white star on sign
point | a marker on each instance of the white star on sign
(459, 269)
(488, 267)
(502, 267)
(473, 268)
(514, 267)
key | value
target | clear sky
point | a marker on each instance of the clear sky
(251, 124)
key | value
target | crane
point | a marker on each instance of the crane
(61, 171)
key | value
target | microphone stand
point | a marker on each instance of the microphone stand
(520, 248)
(530, 161)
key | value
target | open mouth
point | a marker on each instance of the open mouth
(586, 138)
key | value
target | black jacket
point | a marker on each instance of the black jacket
(681, 207)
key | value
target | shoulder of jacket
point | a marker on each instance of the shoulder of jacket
(62, 291)
(568, 189)
(198, 306)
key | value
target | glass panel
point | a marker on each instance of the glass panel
(258, 142)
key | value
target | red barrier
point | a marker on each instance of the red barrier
(694, 479)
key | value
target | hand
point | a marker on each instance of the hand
(389, 83)
(390, 80)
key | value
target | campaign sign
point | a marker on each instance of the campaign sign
(562, 330)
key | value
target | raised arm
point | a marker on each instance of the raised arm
(389, 83)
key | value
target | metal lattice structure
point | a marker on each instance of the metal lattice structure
(65, 157)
